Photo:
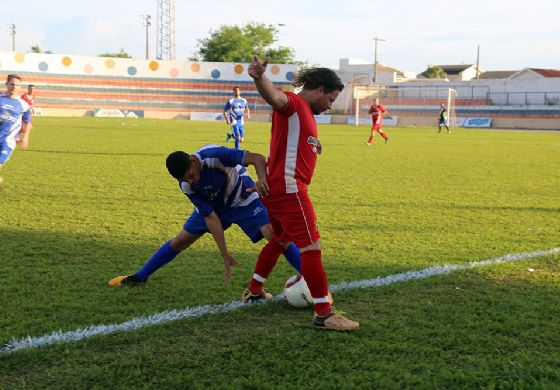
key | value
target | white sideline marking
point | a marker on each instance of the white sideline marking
(57, 337)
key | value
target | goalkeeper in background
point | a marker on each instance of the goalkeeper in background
(442, 120)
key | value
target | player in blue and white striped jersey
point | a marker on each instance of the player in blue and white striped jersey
(13, 111)
(216, 181)
(234, 110)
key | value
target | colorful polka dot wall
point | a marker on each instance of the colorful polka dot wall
(125, 67)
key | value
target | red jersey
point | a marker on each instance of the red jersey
(293, 147)
(376, 110)
(28, 99)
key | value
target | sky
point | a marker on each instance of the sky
(512, 34)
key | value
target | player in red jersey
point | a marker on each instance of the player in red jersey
(293, 151)
(29, 97)
(377, 111)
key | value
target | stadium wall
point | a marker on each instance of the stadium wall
(69, 85)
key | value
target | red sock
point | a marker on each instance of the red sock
(267, 260)
(370, 140)
(383, 134)
(316, 278)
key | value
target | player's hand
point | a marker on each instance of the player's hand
(319, 147)
(261, 187)
(229, 263)
(256, 68)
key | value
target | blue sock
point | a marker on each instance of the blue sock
(293, 257)
(162, 256)
(237, 143)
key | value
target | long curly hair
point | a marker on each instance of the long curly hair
(312, 78)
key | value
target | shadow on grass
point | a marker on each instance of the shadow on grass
(54, 281)
(441, 206)
(495, 329)
(93, 153)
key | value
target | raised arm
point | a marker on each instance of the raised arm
(268, 92)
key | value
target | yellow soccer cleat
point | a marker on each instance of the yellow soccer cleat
(249, 297)
(126, 279)
(334, 321)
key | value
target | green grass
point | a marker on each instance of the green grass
(91, 199)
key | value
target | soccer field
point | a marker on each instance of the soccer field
(91, 199)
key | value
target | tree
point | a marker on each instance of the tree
(121, 54)
(239, 44)
(36, 49)
(434, 72)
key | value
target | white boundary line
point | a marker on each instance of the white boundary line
(58, 337)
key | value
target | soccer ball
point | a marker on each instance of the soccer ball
(297, 293)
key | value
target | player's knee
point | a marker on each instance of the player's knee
(266, 231)
(315, 246)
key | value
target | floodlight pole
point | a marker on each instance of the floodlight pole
(376, 39)
(12, 29)
(147, 23)
(477, 61)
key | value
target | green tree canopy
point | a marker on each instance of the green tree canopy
(121, 54)
(434, 72)
(239, 44)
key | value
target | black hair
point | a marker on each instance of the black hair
(178, 163)
(313, 78)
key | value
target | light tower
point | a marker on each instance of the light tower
(376, 39)
(165, 45)
(12, 30)
(146, 22)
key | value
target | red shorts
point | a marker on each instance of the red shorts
(292, 218)
(376, 126)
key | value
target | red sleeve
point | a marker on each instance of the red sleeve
(290, 107)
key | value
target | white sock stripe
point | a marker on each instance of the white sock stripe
(259, 278)
(321, 300)
(57, 337)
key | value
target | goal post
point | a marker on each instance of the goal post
(406, 101)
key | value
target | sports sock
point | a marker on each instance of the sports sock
(292, 255)
(267, 260)
(383, 134)
(237, 143)
(316, 278)
(162, 256)
(370, 140)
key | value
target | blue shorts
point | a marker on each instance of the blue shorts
(249, 218)
(442, 122)
(5, 153)
(238, 130)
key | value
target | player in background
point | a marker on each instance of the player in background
(293, 151)
(14, 115)
(234, 110)
(215, 180)
(29, 98)
(377, 111)
(442, 119)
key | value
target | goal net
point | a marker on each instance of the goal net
(420, 102)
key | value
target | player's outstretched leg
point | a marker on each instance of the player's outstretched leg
(384, 135)
(162, 256)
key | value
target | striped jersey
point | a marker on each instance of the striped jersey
(292, 152)
(223, 181)
(235, 107)
(12, 111)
